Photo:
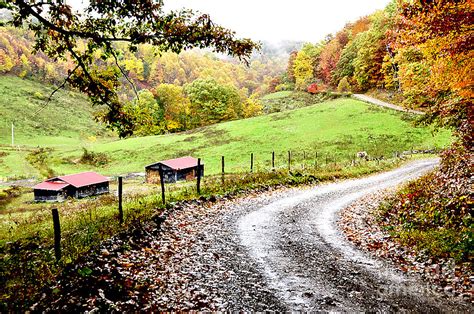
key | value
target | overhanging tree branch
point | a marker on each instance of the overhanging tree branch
(63, 84)
(124, 74)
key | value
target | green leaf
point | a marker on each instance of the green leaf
(85, 272)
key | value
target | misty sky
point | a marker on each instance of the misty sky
(276, 20)
(307, 20)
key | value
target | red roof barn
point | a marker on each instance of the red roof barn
(75, 185)
(184, 168)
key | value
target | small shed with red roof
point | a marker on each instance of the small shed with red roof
(184, 168)
(75, 185)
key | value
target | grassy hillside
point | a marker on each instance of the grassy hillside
(290, 100)
(335, 128)
(65, 120)
(278, 95)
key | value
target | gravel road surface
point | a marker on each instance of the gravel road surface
(311, 266)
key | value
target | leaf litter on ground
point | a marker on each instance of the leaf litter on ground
(359, 224)
(165, 264)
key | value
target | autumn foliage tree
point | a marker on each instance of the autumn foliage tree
(305, 65)
(435, 42)
(330, 55)
(146, 113)
(175, 106)
(291, 66)
(372, 49)
(212, 102)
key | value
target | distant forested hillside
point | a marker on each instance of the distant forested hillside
(176, 91)
(148, 67)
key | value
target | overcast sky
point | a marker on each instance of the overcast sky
(277, 20)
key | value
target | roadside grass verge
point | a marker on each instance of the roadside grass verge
(433, 214)
(27, 256)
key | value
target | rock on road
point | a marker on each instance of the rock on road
(310, 265)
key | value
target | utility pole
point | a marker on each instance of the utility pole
(13, 134)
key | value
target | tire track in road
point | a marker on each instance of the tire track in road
(308, 262)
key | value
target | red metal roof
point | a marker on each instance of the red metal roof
(51, 185)
(82, 179)
(77, 180)
(181, 163)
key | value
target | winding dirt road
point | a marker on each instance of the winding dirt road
(310, 265)
(276, 251)
(378, 102)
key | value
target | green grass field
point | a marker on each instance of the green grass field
(335, 129)
(278, 95)
(290, 100)
(65, 122)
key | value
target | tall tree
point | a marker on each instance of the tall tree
(372, 48)
(440, 37)
(330, 55)
(175, 106)
(291, 66)
(58, 28)
(212, 102)
(305, 64)
(147, 114)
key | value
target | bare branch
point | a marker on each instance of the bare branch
(55, 91)
(124, 74)
(86, 72)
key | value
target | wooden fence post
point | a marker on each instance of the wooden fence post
(199, 177)
(57, 234)
(251, 162)
(120, 200)
(273, 160)
(289, 160)
(223, 169)
(162, 183)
